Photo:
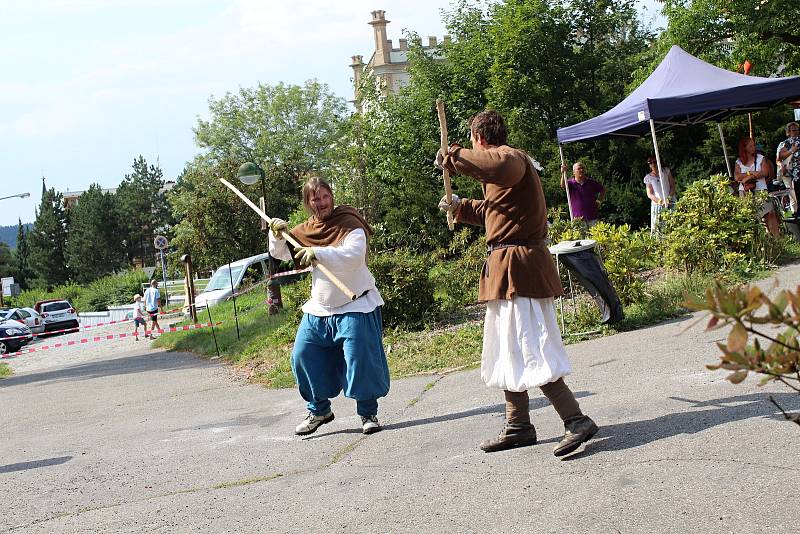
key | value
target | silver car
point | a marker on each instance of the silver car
(27, 316)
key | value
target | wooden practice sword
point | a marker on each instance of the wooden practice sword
(448, 191)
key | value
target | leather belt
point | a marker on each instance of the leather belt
(491, 247)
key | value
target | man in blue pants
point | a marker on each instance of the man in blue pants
(339, 345)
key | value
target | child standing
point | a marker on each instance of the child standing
(138, 316)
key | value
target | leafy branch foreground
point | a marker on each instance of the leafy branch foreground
(751, 312)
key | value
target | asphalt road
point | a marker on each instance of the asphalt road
(148, 441)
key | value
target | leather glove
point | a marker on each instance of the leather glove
(277, 226)
(305, 255)
(438, 162)
(452, 206)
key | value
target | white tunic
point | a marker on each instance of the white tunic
(522, 346)
(347, 261)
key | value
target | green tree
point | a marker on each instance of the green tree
(95, 246)
(289, 130)
(22, 257)
(143, 210)
(728, 32)
(48, 241)
(7, 267)
(215, 225)
(542, 64)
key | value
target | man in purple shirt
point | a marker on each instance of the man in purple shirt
(585, 194)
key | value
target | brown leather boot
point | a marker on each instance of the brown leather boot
(518, 430)
(577, 431)
(512, 436)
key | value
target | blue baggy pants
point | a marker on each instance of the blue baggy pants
(341, 352)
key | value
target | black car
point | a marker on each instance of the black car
(18, 333)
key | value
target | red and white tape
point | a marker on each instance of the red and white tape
(289, 273)
(77, 328)
(107, 337)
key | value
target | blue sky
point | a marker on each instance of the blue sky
(88, 85)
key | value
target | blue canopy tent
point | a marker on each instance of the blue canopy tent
(682, 90)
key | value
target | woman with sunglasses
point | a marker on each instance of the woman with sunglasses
(652, 181)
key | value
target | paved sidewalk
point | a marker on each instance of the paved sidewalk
(148, 441)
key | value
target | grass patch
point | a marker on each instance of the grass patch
(5, 370)
(411, 353)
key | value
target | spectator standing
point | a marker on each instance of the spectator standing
(585, 194)
(751, 172)
(152, 303)
(790, 161)
(658, 200)
(138, 316)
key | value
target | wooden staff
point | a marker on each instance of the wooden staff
(290, 238)
(448, 190)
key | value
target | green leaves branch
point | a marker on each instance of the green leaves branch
(741, 308)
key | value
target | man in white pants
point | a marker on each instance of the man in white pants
(522, 346)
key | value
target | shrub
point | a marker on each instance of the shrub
(711, 230)
(402, 279)
(625, 255)
(456, 280)
(561, 228)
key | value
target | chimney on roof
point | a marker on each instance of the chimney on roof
(357, 64)
(403, 44)
(446, 39)
(382, 45)
(432, 42)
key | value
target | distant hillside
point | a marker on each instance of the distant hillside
(8, 234)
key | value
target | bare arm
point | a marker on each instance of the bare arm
(784, 153)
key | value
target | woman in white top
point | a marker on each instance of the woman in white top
(751, 173)
(748, 172)
(659, 200)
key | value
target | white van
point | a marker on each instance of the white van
(225, 281)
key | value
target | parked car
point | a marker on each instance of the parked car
(224, 281)
(27, 316)
(57, 314)
(19, 333)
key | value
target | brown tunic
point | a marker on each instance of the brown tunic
(515, 216)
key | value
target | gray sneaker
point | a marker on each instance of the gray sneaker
(370, 424)
(312, 422)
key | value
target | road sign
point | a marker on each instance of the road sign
(160, 242)
(149, 271)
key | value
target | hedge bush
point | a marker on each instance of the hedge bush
(712, 231)
(402, 278)
(111, 290)
(626, 254)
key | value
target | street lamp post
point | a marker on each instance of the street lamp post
(250, 173)
(20, 195)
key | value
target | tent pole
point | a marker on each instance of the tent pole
(658, 159)
(724, 150)
(566, 182)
